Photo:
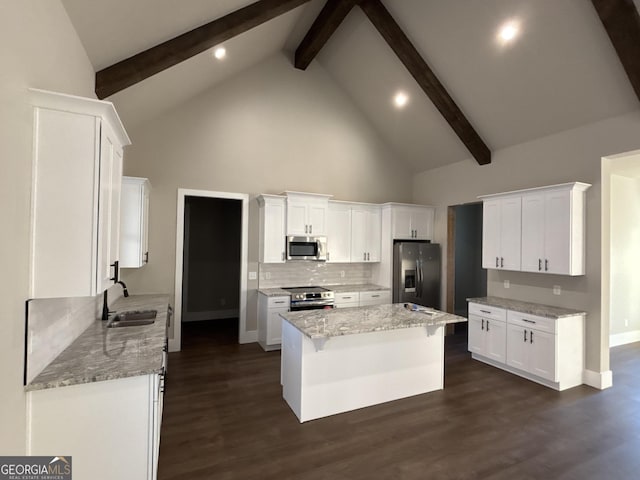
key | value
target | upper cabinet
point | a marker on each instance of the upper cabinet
(272, 228)
(412, 222)
(339, 232)
(501, 233)
(307, 213)
(134, 222)
(543, 227)
(365, 233)
(77, 175)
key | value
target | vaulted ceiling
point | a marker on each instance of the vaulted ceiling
(560, 73)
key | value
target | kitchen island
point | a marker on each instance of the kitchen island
(334, 361)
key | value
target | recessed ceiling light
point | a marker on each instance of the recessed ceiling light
(508, 31)
(220, 53)
(400, 99)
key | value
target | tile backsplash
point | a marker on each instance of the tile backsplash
(298, 274)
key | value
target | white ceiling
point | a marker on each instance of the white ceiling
(561, 73)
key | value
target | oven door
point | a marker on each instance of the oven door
(306, 248)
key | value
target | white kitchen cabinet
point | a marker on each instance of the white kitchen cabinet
(553, 230)
(412, 222)
(272, 229)
(269, 320)
(346, 299)
(365, 233)
(339, 233)
(134, 222)
(487, 332)
(375, 297)
(110, 428)
(549, 351)
(307, 213)
(75, 219)
(501, 233)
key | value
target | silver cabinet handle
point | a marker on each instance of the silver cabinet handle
(280, 301)
(368, 256)
(487, 325)
(283, 256)
(546, 265)
(501, 262)
(328, 256)
(346, 298)
(486, 311)
(528, 321)
(375, 296)
(496, 262)
(525, 336)
(531, 336)
(310, 228)
(482, 326)
(364, 256)
(539, 264)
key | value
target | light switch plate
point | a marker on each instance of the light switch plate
(507, 284)
(253, 275)
(557, 290)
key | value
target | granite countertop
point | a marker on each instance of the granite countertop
(101, 353)
(367, 287)
(349, 321)
(527, 307)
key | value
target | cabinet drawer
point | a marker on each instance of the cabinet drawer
(378, 296)
(534, 322)
(486, 311)
(347, 297)
(279, 302)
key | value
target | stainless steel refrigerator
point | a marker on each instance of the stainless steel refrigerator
(416, 273)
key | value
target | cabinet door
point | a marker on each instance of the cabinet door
(491, 234)
(297, 218)
(339, 234)
(476, 335)
(533, 232)
(542, 355)
(108, 208)
(496, 340)
(517, 348)
(402, 223)
(274, 326)
(358, 235)
(510, 233)
(145, 222)
(273, 232)
(557, 232)
(374, 235)
(317, 219)
(422, 223)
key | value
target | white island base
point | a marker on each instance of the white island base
(327, 376)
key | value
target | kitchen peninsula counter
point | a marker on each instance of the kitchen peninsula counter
(334, 361)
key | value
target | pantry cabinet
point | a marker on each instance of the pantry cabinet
(77, 176)
(272, 229)
(412, 222)
(536, 230)
(134, 222)
(307, 214)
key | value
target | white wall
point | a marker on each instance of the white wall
(39, 48)
(573, 155)
(271, 128)
(625, 256)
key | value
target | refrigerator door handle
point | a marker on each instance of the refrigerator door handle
(419, 275)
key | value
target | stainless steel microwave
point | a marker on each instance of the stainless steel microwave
(307, 248)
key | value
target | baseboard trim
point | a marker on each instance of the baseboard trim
(599, 380)
(624, 338)
(249, 337)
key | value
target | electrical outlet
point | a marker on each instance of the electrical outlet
(557, 290)
(507, 284)
(253, 275)
(267, 275)
(342, 273)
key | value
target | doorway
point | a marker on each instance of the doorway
(211, 262)
(465, 276)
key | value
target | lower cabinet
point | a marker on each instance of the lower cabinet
(375, 297)
(111, 429)
(347, 299)
(549, 351)
(269, 320)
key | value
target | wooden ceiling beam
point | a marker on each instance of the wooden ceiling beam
(422, 73)
(328, 20)
(143, 65)
(622, 23)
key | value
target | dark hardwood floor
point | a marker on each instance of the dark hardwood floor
(225, 418)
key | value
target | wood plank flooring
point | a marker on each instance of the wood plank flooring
(225, 418)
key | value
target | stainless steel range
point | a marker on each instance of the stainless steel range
(310, 298)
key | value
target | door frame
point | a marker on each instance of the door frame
(175, 343)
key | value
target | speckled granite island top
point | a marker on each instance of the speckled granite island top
(101, 353)
(527, 307)
(350, 321)
(367, 287)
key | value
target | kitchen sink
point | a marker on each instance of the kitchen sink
(133, 318)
